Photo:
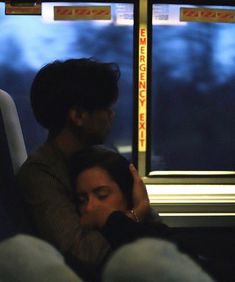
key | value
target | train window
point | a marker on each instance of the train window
(193, 88)
(29, 42)
(186, 130)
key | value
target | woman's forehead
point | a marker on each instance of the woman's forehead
(94, 177)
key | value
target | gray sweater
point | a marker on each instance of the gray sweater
(45, 184)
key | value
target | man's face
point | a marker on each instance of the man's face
(97, 125)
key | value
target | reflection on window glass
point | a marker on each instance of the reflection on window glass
(29, 42)
(193, 93)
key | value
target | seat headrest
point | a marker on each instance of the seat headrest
(11, 126)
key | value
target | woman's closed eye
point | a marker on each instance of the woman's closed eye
(102, 193)
(102, 197)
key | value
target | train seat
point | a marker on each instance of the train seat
(11, 132)
(12, 155)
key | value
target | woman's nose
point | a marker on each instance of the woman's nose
(91, 204)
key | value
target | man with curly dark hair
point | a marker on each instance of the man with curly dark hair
(72, 99)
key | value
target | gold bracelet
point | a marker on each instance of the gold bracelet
(136, 218)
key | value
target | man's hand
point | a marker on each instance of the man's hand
(140, 195)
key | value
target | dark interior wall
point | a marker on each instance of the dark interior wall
(214, 247)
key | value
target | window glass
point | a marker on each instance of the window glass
(193, 92)
(29, 42)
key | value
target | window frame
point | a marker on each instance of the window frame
(183, 197)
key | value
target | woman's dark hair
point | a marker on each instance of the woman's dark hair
(113, 163)
(84, 83)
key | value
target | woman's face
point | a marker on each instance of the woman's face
(96, 189)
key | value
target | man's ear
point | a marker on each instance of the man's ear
(76, 116)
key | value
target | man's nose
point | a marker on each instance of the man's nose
(111, 114)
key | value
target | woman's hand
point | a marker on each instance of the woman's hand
(140, 196)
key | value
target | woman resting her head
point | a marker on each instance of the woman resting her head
(110, 196)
